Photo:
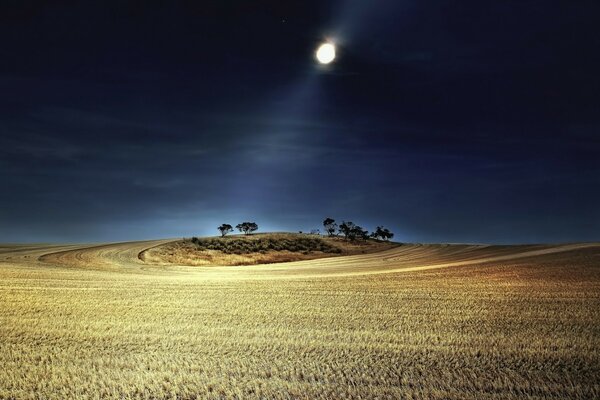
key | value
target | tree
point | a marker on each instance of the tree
(330, 226)
(345, 229)
(351, 231)
(382, 233)
(225, 229)
(247, 227)
(361, 233)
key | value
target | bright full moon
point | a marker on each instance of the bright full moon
(326, 53)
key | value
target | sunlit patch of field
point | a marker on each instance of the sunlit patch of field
(421, 322)
(257, 249)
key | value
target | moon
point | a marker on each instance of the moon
(325, 53)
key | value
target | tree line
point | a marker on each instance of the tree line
(245, 227)
(348, 229)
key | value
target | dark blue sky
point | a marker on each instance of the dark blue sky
(466, 121)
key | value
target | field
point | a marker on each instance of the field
(415, 322)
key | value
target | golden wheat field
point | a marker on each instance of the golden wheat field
(411, 322)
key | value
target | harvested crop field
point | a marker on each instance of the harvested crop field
(415, 321)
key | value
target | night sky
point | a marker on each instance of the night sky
(445, 121)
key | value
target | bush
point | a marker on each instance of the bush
(263, 245)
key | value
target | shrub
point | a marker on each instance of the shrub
(260, 245)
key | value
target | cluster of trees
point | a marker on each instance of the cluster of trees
(351, 231)
(348, 229)
(245, 227)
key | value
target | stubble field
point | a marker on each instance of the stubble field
(415, 322)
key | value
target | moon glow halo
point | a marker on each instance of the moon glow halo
(325, 53)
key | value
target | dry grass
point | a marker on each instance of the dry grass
(519, 328)
(257, 249)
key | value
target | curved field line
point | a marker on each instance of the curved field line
(112, 256)
(474, 261)
(126, 257)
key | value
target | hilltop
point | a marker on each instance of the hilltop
(262, 248)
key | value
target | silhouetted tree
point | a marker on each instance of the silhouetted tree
(351, 231)
(247, 227)
(382, 233)
(330, 226)
(345, 228)
(361, 233)
(348, 229)
(225, 229)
